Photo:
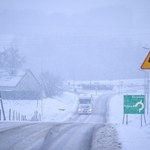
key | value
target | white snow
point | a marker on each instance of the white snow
(132, 136)
(50, 109)
(59, 108)
(23, 107)
(8, 80)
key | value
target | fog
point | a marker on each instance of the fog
(88, 40)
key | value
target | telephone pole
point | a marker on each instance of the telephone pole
(146, 66)
(2, 106)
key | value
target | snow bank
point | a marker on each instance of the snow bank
(132, 136)
(105, 138)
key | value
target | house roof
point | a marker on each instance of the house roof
(10, 80)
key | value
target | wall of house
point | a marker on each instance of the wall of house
(28, 83)
(21, 95)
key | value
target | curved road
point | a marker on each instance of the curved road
(75, 134)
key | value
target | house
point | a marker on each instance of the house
(22, 85)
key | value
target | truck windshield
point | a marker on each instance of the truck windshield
(85, 101)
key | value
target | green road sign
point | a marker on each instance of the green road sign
(134, 104)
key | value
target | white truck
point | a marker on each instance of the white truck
(85, 105)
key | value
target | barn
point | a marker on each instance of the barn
(20, 86)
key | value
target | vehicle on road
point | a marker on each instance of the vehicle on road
(85, 105)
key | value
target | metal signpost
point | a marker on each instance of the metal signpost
(146, 66)
(134, 104)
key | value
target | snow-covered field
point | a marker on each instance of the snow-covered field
(16, 110)
(51, 109)
(60, 108)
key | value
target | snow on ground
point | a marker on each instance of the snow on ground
(21, 109)
(50, 109)
(59, 108)
(105, 138)
(7, 125)
(132, 136)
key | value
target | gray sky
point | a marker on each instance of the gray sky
(80, 39)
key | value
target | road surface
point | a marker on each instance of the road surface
(75, 134)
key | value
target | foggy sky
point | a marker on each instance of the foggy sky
(78, 39)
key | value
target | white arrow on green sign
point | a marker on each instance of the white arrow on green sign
(134, 104)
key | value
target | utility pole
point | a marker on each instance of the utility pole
(146, 66)
(148, 98)
(146, 90)
(2, 107)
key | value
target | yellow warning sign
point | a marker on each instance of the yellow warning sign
(146, 63)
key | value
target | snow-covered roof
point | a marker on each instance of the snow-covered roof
(10, 80)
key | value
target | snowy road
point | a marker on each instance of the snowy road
(76, 134)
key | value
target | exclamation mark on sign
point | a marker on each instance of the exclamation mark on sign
(149, 59)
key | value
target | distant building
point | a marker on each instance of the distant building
(23, 85)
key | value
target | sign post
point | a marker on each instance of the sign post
(134, 104)
(146, 66)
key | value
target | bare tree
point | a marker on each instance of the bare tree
(52, 84)
(10, 60)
